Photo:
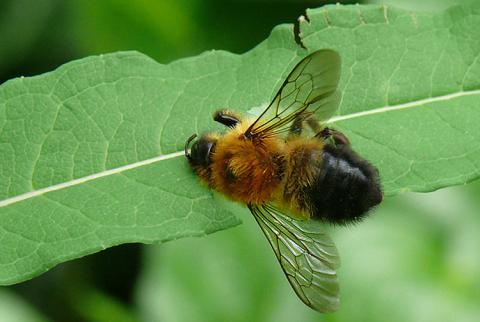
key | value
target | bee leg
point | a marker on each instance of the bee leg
(338, 137)
(227, 118)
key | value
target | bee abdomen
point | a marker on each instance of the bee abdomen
(345, 187)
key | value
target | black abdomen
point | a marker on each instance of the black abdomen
(345, 188)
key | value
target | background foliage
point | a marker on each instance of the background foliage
(232, 275)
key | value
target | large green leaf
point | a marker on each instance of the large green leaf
(90, 154)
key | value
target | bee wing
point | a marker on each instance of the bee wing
(306, 253)
(310, 89)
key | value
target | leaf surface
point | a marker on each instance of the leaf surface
(90, 154)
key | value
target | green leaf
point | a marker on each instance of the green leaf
(90, 153)
(411, 90)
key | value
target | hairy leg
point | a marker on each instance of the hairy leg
(338, 137)
(227, 118)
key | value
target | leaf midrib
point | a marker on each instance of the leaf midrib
(402, 106)
(91, 177)
(172, 155)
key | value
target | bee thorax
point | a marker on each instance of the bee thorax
(247, 172)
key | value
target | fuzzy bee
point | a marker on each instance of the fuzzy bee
(294, 174)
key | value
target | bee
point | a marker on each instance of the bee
(294, 174)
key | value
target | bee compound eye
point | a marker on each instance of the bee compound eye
(201, 152)
(187, 143)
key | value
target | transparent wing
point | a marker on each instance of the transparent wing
(310, 89)
(306, 253)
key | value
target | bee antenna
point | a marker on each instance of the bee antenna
(190, 139)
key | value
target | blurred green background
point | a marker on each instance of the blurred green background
(416, 259)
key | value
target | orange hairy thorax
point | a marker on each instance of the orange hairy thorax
(245, 170)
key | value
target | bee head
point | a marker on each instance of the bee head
(201, 150)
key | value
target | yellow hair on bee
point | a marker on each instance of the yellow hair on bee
(245, 170)
(303, 157)
(299, 153)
